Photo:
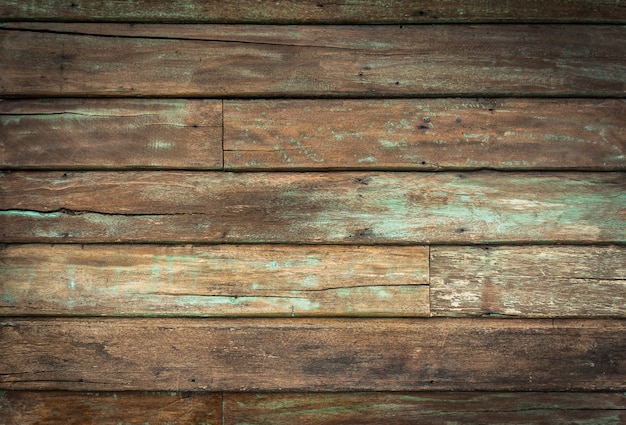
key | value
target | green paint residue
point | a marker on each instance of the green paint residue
(72, 280)
(33, 214)
(367, 159)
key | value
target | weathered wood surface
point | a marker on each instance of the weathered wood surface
(54, 407)
(343, 207)
(111, 133)
(534, 281)
(128, 408)
(329, 61)
(222, 280)
(425, 134)
(424, 408)
(312, 354)
(315, 11)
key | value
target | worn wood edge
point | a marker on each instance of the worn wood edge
(316, 12)
(540, 281)
(311, 355)
(213, 281)
(69, 408)
(424, 134)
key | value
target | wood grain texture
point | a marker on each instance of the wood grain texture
(303, 61)
(424, 408)
(128, 408)
(537, 281)
(315, 11)
(312, 354)
(343, 207)
(111, 133)
(425, 134)
(222, 280)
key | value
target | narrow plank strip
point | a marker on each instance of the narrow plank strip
(424, 408)
(345, 207)
(129, 408)
(425, 134)
(111, 134)
(315, 11)
(312, 354)
(222, 280)
(537, 281)
(269, 61)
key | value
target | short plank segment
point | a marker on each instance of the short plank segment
(128, 408)
(534, 281)
(312, 354)
(425, 134)
(110, 134)
(303, 61)
(315, 11)
(222, 280)
(343, 207)
(424, 408)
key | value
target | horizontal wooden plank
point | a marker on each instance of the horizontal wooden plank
(221, 280)
(424, 408)
(425, 134)
(315, 11)
(312, 354)
(537, 281)
(129, 408)
(111, 133)
(329, 61)
(342, 207)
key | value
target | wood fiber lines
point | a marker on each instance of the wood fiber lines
(120, 60)
(312, 212)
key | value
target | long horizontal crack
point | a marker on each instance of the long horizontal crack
(68, 211)
(210, 40)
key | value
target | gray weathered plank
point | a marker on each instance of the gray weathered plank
(341, 207)
(111, 133)
(220, 280)
(315, 11)
(532, 281)
(312, 354)
(425, 134)
(48, 59)
(424, 408)
(128, 408)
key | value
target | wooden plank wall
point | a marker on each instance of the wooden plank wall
(356, 212)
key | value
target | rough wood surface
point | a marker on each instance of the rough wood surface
(111, 133)
(536, 281)
(425, 134)
(222, 280)
(424, 408)
(128, 408)
(342, 207)
(329, 61)
(315, 11)
(312, 354)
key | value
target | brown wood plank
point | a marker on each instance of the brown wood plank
(343, 207)
(111, 134)
(425, 134)
(534, 281)
(424, 408)
(315, 11)
(222, 280)
(312, 354)
(330, 61)
(128, 408)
